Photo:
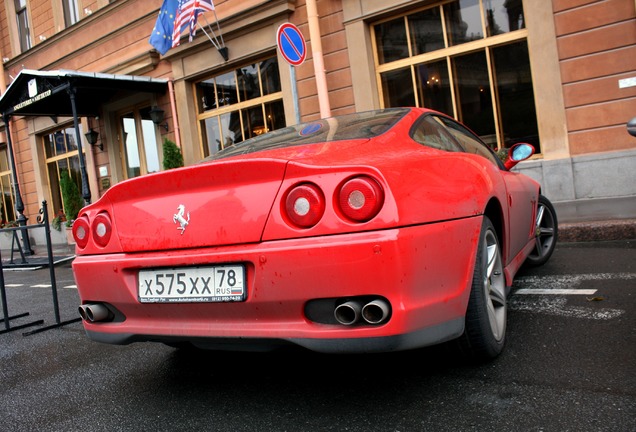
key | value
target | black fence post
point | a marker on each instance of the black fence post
(44, 219)
(5, 308)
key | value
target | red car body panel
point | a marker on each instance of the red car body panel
(426, 289)
(418, 252)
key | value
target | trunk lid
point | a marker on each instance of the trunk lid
(210, 204)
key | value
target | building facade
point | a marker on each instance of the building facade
(560, 74)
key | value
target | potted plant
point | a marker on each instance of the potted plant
(71, 200)
(56, 223)
(172, 157)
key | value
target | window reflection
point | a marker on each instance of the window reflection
(503, 16)
(433, 86)
(472, 87)
(140, 143)
(206, 95)
(225, 90)
(231, 128)
(463, 24)
(212, 134)
(397, 88)
(256, 89)
(248, 82)
(275, 115)
(131, 147)
(391, 41)
(515, 94)
(270, 77)
(6, 198)
(426, 31)
(60, 148)
(459, 84)
(463, 21)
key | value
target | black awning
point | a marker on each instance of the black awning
(46, 93)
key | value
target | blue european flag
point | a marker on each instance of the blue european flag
(161, 37)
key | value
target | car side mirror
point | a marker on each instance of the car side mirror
(517, 153)
(631, 127)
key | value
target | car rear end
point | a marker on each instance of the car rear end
(290, 245)
(270, 252)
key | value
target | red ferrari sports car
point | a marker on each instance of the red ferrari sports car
(371, 232)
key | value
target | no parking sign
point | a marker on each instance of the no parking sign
(291, 44)
(292, 47)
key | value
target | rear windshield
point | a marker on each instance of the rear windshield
(362, 125)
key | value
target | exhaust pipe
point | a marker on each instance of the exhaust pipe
(347, 313)
(82, 311)
(93, 312)
(376, 311)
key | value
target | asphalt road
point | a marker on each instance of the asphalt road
(569, 365)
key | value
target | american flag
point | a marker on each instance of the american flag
(186, 17)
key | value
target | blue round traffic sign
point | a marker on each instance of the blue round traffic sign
(311, 129)
(291, 44)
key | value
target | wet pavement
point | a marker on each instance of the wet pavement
(567, 366)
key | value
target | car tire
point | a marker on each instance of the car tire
(485, 326)
(546, 233)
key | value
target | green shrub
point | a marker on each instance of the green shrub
(71, 198)
(502, 153)
(172, 157)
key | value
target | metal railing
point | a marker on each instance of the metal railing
(43, 222)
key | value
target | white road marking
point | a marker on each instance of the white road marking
(39, 286)
(557, 306)
(559, 285)
(555, 291)
(566, 281)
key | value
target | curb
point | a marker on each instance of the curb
(620, 229)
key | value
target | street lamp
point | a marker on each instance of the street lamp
(91, 138)
(156, 115)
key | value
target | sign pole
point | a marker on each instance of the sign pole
(294, 87)
(292, 47)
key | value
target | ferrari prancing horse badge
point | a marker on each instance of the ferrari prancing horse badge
(178, 217)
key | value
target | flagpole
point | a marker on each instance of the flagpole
(218, 26)
(213, 34)
(221, 48)
(211, 40)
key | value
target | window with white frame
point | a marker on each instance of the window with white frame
(71, 12)
(22, 18)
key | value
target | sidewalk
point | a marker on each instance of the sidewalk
(605, 230)
(62, 253)
(597, 220)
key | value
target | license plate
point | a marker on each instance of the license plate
(193, 284)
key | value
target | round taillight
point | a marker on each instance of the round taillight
(81, 231)
(305, 205)
(360, 198)
(101, 229)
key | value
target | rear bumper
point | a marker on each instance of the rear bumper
(424, 272)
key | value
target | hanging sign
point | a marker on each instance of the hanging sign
(291, 44)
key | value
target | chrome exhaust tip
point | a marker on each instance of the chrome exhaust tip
(376, 311)
(348, 313)
(94, 312)
(82, 311)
